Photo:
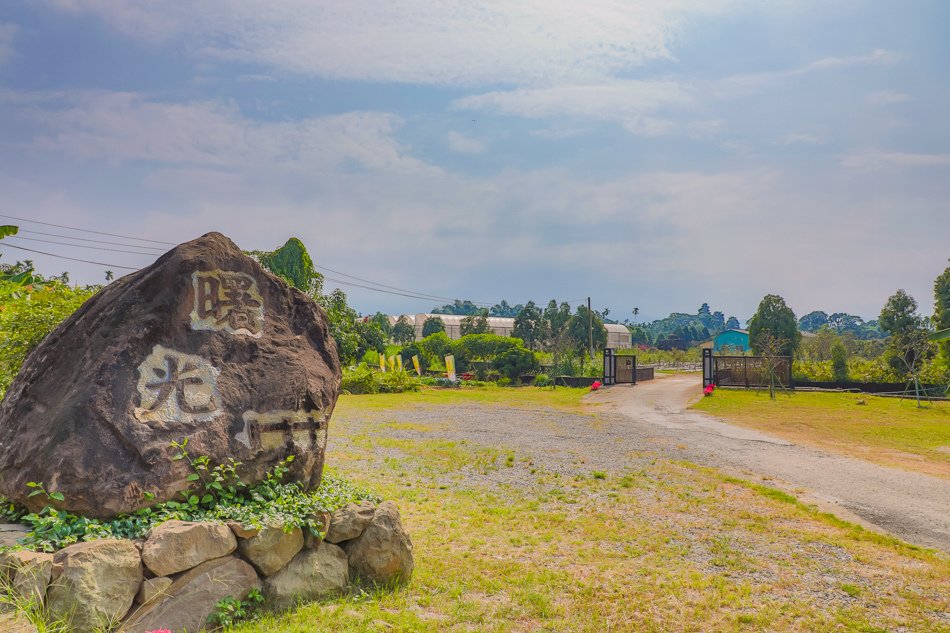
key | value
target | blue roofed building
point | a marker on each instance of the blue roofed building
(731, 342)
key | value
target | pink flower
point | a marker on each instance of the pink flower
(160, 631)
(709, 390)
(595, 385)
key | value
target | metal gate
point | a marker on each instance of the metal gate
(619, 369)
(745, 371)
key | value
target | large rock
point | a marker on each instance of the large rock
(98, 582)
(311, 575)
(272, 548)
(349, 522)
(175, 546)
(382, 554)
(187, 603)
(204, 344)
(28, 573)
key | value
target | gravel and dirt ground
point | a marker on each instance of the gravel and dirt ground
(911, 506)
(625, 425)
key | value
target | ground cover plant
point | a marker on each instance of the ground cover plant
(882, 430)
(520, 537)
(215, 494)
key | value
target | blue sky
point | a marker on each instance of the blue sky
(656, 154)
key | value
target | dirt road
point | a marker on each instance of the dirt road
(912, 506)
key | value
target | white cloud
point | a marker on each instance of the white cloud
(750, 83)
(461, 144)
(876, 159)
(801, 139)
(887, 97)
(7, 35)
(117, 127)
(631, 103)
(415, 41)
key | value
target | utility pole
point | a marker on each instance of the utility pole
(590, 330)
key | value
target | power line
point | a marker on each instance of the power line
(85, 261)
(393, 290)
(422, 295)
(73, 228)
(86, 239)
(95, 248)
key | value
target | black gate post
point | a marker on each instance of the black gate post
(610, 366)
(708, 377)
(634, 370)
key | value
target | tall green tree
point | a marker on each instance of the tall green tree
(528, 326)
(899, 315)
(432, 325)
(382, 322)
(941, 317)
(579, 328)
(907, 346)
(474, 324)
(403, 332)
(774, 318)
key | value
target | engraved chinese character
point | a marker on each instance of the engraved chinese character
(227, 301)
(275, 429)
(177, 387)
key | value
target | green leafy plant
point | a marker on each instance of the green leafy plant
(230, 611)
(216, 494)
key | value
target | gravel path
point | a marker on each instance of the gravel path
(912, 506)
(630, 425)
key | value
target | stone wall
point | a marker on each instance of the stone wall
(174, 578)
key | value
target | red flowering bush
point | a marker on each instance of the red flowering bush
(595, 385)
(709, 390)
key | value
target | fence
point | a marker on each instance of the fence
(746, 371)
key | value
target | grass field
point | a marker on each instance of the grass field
(651, 545)
(882, 430)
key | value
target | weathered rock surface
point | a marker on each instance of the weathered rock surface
(15, 622)
(271, 548)
(97, 585)
(349, 522)
(175, 546)
(153, 588)
(28, 573)
(203, 344)
(312, 574)
(11, 533)
(192, 597)
(382, 554)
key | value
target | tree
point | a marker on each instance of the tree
(553, 321)
(899, 315)
(812, 321)
(403, 332)
(382, 322)
(463, 308)
(292, 263)
(432, 325)
(579, 328)
(504, 310)
(900, 320)
(514, 362)
(528, 325)
(732, 323)
(839, 362)
(774, 318)
(941, 317)
(436, 346)
(475, 324)
(703, 309)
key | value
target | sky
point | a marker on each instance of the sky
(655, 154)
